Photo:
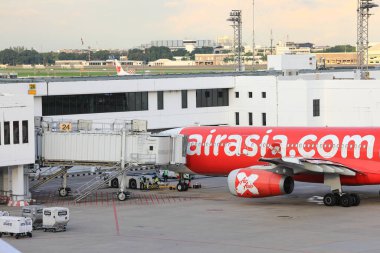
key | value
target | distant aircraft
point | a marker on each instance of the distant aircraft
(265, 161)
(120, 71)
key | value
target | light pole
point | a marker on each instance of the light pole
(253, 35)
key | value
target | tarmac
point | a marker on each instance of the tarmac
(209, 219)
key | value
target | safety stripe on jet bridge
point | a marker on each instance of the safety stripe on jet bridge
(70, 175)
(87, 174)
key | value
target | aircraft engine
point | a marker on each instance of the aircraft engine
(255, 183)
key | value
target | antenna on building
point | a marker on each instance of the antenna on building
(253, 35)
(362, 35)
(271, 41)
(235, 18)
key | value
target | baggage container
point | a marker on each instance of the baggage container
(18, 226)
(35, 213)
(55, 219)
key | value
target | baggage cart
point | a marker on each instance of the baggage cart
(55, 219)
(35, 213)
(17, 226)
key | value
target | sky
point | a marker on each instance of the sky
(49, 25)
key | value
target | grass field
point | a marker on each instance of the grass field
(54, 71)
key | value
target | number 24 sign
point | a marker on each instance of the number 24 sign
(66, 127)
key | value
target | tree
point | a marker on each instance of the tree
(180, 52)
(340, 48)
(29, 57)
(101, 55)
(202, 50)
(8, 56)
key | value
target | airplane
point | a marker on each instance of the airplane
(265, 161)
(120, 71)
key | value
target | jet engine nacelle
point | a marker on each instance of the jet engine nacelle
(255, 183)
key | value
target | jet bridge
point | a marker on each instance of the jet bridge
(121, 145)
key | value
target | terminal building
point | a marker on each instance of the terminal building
(169, 101)
(16, 144)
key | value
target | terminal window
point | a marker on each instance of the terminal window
(263, 94)
(160, 100)
(237, 120)
(316, 108)
(250, 118)
(25, 137)
(16, 132)
(7, 133)
(184, 98)
(250, 94)
(211, 97)
(94, 103)
(264, 118)
(237, 94)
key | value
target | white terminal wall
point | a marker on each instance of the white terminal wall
(257, 104)
(173, 115)
(17, 108)
(288, 102)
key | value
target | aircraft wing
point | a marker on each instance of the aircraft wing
(302, 165)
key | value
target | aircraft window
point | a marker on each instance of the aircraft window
(312, 145)
(351, 146)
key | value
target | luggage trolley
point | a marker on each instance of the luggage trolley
(17, 226)
(55, 219)
(35, 213)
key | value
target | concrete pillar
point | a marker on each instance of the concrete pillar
(5, 179)
(18, 190)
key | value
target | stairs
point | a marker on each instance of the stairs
(98, 182)
(58, 173)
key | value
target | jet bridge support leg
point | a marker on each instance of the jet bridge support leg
(122, 194)
(337, 196)
(64, 191)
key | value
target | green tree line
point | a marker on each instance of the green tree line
(155, 53)
(340, 49)
(20, 55)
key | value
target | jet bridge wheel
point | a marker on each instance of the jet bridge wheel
(63, 192)
(123, 196)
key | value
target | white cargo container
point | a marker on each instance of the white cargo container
(35, 213)
(55, 219)
(4, 213)
(18, 226)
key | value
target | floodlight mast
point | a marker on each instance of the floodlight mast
(236, 19)
(253, 35)
(363, 15)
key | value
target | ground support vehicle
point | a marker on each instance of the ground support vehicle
(134, 180)
(17, 226)
(35, 213)
(55, 219)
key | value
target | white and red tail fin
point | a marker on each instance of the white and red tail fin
(119, 70)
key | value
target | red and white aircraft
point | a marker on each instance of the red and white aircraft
(265, 161)
(121, 72)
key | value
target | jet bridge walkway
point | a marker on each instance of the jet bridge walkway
(123, 146)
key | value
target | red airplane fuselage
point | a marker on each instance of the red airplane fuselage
(220, 150)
